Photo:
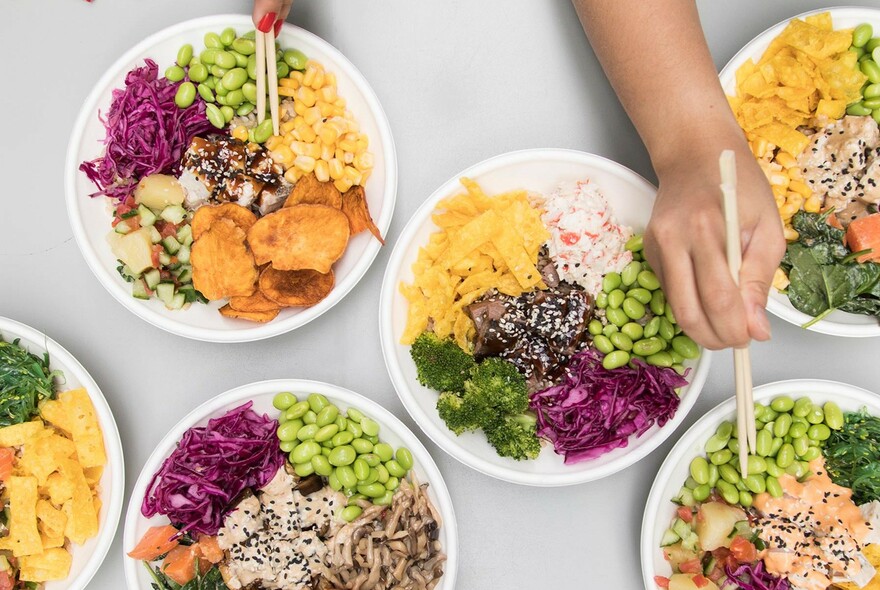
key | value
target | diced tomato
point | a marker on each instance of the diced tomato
(569, 238)
(157, 541)
(166, 229)
(154, 257)
(122, 209)
(685, 513)
(691, 566)
(661, 581)
(743, 550)
(6, 581)
(700, 581)
(7, 457)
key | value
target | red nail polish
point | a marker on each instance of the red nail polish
(266, 22)
(278, 24)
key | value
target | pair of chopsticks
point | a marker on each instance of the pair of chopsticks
(265, 57)
(742, 363)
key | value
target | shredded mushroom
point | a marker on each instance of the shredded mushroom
(393, 548)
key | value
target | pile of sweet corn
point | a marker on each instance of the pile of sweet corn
(786, 181)
(321, 135)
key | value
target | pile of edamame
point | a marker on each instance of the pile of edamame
(868, 51)
(343, 447)
(635, 321)
(790, 435)
(224, 76)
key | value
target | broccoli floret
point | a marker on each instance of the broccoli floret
(514, 437)
(463, 413)
(498, 384)
(440, 363)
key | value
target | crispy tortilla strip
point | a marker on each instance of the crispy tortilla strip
(295, 288)
(299, 237)
(254, 316)
(82, 519)
(24, 538)
(308, 190)
(206, 215)
(222, 264)
(17, 434)
(354, 205)
(81, 421)
(52, 564)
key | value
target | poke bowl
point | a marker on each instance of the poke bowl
(502, 413)
(780, 515)
(75, 528)
(794, 110)
(168, 152)
(270, 498)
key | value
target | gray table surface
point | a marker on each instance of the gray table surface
(460, 80)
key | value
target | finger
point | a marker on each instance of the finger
(285, 10)
(677, 278)
(720, 297)
(761, 256)
(266, 13)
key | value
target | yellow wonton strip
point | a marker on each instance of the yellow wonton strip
(482, 242)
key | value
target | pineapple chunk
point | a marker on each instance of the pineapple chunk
(157, 191)
(715, 521)
(686, 582)
(134, 249)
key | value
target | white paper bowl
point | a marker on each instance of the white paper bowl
(659, 511)
(837, 323)
(631, 198)
(261, 393)
(90, 217)
(87, 558)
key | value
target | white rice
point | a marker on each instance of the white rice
(586, 242)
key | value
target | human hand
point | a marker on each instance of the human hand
(685, 245)
(270, 14)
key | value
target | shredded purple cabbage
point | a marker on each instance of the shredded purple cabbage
(211, 465)
(146, 132)
(593, 410)
(753, 576)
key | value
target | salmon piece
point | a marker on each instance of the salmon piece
(180, 563)
(7, 458)
(158, 540)
(209, 550)
(864, 234)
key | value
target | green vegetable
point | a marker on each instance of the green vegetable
(852, 456)
(461, 414)
(514, 437)
(823, 273)
(499, 385)
(210, 580)
(25, 380)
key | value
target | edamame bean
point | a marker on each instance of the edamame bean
(327, 415)
(282, 70)
(186, 94)
(728, 473)
(594, 327)
(225, 60)
(666, 330)
(385, 499)
(326, 433)
(603, 344)
(728, 491)
(785, 456)
(686, 347)
(394, 468)
(341, 456)
(819, 432)
(356, 499)
(816, 415)
(184, 55)
(634, 244)
(862, 34)
(633, 308)
(383, 474)
(208, 56)
(384, 451)
(783, 403)
(175, 74)
(244, 46)
(811, 453)
(346, 476)
(227, 36)
(797, 430)
(763, 443)
(868, 103)
(857, 110)
(295, 59)
(800, 445)
(667, 313)
(602, 300)
(310, 417)
(871, 91)
(648, 346)
(648, 280)
(658, 302)
(701, 492)
(756, 464)
(716, 443)
(218, 72)
(755, 484)
(228, 112)
(373, 477)
(733, 445)
(802, 407)
(392, 483)
(699, 470)
(633, 330)
(873, 44)
(643, 296)
(660, 359)
(652, 327)
(621, 341)
(212, 41)
(350, 513)
(373, 490)
(724, 430)
(404, 458)
(333, 480)
(283, 400)
(198, 73)
(615, 298)
(721, 457)
(630, 273)
(317, 402)
(372, 459)
(713, 475)
(777, 444)
(610, 282)
(833, 416)
(235, 78)
(287, 445)
(609, 330)
(307, 432)
(297, 410)
(745, 499)
(286, 431)
(617, 317)
(354, 429)
(263, 131)
(342, 438)
(782, 425)
(615, 359)
(362, 446)
(321, 465)
(214, 115)
(305, 451)
(361, 469)
(304, 469)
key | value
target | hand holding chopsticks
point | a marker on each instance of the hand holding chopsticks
(745, 407)
(267, 75)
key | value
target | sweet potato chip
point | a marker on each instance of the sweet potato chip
(354, 205)
(254, 316)
(222, 264)
(308, 190)
(255, 302)
(52, 564)
(298, 238)
(295, 288)
(206, 215)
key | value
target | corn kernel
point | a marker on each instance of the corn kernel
(780, 279)
(780, 200)
(365, 175)
(328, 134)
(318, 82)
(273, 142)
(812, 204)
(340, 102)
(322, 171)
(306, 96)
(300, 107)
(240, 133)
(330, 79)
(778, 190)
(342, 185)
(327, 110)
(779, 179)
(362, 142)
(336, 169)
(287, 126)
(363, 161)
(351, 174)
(298, 120)
(288, 83)
(283, 155)
(348, 157)
(795, 174)
(326, 152)
(309, 76)
(312, 116)
(293, 174)
(801, 188)
(790, 233)
(327, 94)
(304, 163)
(786, 160)
(298, 148)
(288, 92)
(347, 145)
(313, 150)
(788, 210)
(296, 75)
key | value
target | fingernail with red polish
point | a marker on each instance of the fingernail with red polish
(266, 22)
(278, 24)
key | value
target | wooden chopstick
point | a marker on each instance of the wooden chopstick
(261, 76)
(745, 407)
(272, 81)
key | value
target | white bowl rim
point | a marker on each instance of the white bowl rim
(779, 307)
(700, 428)
(246, 392)
(389, 342)
(112, 443)
(260, 331)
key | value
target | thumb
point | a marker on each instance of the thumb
(760, 260)
(266, 12)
